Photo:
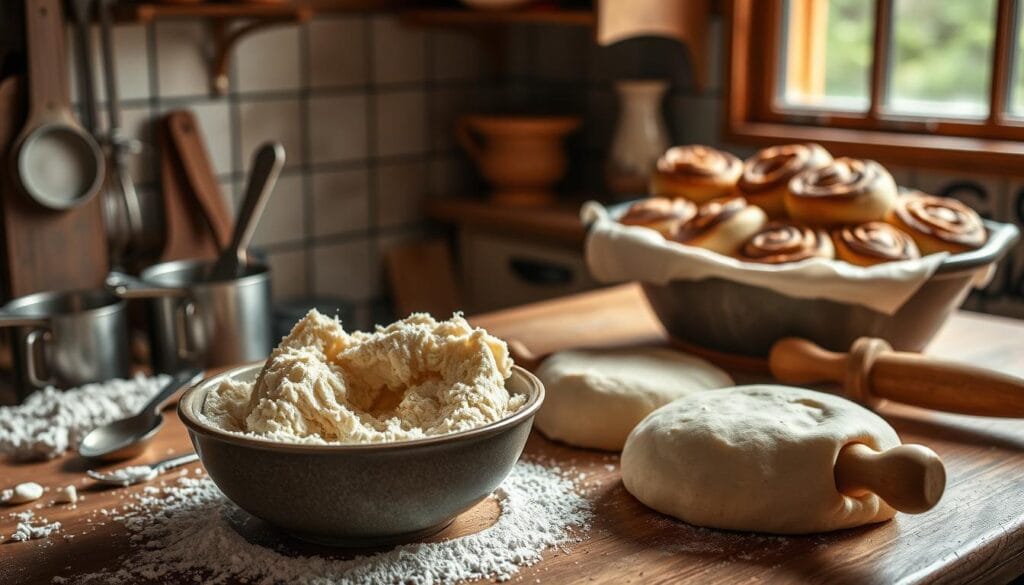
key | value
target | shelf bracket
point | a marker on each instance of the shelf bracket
(225, 39)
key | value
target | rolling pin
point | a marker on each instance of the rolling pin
(872, 371)
(910, 478)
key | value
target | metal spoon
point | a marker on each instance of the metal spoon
(266, 167)
(126, 438)
(134, 474)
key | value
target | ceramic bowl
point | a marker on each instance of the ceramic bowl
(362, 495)
(737, 319)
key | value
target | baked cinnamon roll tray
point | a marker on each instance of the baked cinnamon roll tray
(727, 316)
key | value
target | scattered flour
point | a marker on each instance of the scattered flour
(182, 529)
(52, 421)
(30, 528)
(130, 475)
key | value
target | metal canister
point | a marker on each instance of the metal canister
(199, 322)
(67, 339)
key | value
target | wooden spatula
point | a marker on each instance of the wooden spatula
(872, 371)
(910, 478)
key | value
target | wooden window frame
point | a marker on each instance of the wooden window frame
(993, 145)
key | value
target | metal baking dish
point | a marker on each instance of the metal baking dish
(726, 316)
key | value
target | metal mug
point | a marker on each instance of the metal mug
(67, 339)
(198, 322)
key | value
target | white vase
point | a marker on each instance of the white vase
(641, 136)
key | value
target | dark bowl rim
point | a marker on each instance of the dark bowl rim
(195, 425)
(1002, 237)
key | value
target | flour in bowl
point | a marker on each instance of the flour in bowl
(415, 378)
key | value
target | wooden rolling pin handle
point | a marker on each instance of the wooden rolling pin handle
(523, 356)
(797, 361)
(910, 478)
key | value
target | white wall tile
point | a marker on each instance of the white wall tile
(262, 121)
(348, 270)
(337, 128)
(282, 219)
(340, 201)
(287, 274)
(458, 56)
(399, 51)
(268, 60)
(215, 123)
(182, 68)
(401, 126)
(401, 190)
(131, 57)
(337, 52)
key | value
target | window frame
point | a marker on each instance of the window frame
(993, 144)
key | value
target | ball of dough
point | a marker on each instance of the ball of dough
(758, 458)
(594, 398)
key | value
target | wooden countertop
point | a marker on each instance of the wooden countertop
(976, 534)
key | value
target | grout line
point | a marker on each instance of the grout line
(305, 76)
(371, 167)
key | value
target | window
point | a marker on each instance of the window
(919, 82)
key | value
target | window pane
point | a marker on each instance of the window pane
(828, 45)
(1017, 79)
(941, 57)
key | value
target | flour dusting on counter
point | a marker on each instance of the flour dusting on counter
(415, 378)
(52, 421)
(183, 530)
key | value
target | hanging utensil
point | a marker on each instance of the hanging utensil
(266, 167)
(120, 186)
(58, 164)
(81, 14)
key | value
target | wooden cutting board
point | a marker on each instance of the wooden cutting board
(976, 534)
(44, 249)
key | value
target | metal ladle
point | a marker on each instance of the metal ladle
(126, 438)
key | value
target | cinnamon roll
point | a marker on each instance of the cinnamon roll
(873, 243)
(938, 224)
(697, 173)
(722, 225)
(660, 214)
(781, 242)
(845, 191)
(767, 174)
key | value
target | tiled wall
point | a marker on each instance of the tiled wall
(363, 106)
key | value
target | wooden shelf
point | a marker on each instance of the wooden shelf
(145, 12)
(466, 17)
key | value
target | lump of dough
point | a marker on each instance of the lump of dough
(417, 377)
(758, 458)
(594, 398)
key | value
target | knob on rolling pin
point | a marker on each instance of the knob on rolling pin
(910, 478)
(873, 371)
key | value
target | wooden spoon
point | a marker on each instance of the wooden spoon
(910, 478)
(873, 371)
